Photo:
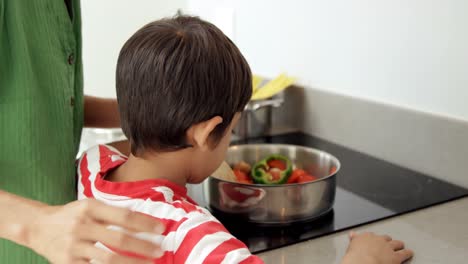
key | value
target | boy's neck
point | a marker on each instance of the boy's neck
(170, 166)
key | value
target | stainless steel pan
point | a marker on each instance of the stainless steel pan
(276, 204)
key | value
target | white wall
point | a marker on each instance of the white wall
(412, 53)
(107, 24)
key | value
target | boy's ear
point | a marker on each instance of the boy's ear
(199, 134)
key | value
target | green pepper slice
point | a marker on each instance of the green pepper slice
(263, 173)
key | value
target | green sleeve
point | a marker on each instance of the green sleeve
(2, 33)
(1, 17)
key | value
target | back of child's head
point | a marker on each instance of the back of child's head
(174, 73)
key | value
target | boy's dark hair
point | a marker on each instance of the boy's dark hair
(174, 73)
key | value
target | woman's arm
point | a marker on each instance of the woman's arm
(67, 234)
(101, 112)
(16, 215)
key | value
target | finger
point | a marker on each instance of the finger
(122, 217)
(404, 254)
(387, 237)
(397, 245)
(122, 240)
(102, 256)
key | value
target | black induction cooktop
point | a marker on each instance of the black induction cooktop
(368, 190)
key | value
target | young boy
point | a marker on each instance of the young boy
(181, 86)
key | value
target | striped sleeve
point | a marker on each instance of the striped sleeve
(205, 240)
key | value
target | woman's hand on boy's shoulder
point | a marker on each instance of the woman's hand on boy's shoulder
(369, 248)
(67, 234)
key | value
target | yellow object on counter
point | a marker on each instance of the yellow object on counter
(272, 87)
(256, 81)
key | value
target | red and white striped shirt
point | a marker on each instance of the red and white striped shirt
(192, 234)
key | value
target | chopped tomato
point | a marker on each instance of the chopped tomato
(295, 175)
(243, 166)
(333, 170)
(242, 176)
(278, 164)
(306, 178)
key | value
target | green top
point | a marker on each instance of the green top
(41, 104)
